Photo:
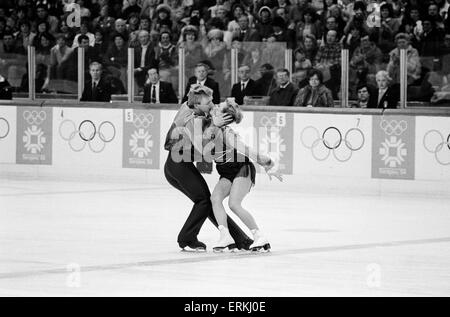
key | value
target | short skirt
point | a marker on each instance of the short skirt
(231, 170)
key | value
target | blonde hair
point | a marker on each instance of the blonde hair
(196, 93)
(234, 110)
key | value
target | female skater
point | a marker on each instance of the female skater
(237, 176)
(184, 142)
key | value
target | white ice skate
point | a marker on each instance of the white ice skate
(260, 243)
(225, 242)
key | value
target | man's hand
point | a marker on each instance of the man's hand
(222, 119)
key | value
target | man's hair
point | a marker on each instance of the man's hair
(402, 36)
(96, 64)
(82, 37)
(155, 68)
(244, 66)
(196, 93)
(283, 70)
(363, 85)
(202, 65)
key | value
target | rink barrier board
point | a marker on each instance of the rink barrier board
(127, 138)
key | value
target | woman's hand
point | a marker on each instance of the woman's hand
(221, 119)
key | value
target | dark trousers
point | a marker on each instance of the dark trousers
(185, 177)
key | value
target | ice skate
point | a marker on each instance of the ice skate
(195, 246)
(261, 243)
(225, 242)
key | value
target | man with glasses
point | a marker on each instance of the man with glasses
(285, 93)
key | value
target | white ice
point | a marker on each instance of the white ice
(66, 238)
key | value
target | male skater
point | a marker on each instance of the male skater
(183, 175)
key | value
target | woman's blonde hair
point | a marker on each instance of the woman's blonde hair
(196, 93)
(234, 110)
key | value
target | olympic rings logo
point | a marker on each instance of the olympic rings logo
(142, 120)
(4, 128)
(393, 126)
(86, 134)
(34, 117)
(268, 122)
(436, 145)
(331, 140)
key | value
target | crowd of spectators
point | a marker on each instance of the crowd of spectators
(260, 30)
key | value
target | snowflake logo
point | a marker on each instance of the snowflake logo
(393, 152)
(274, 146)
(141, 143)
(34, 139)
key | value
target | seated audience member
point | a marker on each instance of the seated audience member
(97, 88)
(315, 94)
(386, 95)
(157, 91)
(412, 60)
(284, 94)
(201, 78)
(364, 92)
(245, 87)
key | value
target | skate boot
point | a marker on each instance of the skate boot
(194, 246)
(225, 242)
(261, 243)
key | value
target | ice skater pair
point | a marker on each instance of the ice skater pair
(233, 160)
(185, 142)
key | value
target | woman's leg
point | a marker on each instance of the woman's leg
(239, 189)
(220, 192)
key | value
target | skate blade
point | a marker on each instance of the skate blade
(192, 250)
(229, 248)
(263, 248)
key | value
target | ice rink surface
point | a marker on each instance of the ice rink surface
(67, 238)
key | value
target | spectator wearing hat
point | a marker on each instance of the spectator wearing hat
(285, 93)
(144, 58)
(162, 15)
(264, 23)
(201, 78)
